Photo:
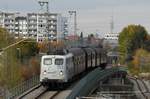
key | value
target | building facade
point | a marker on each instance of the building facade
(32, 24)
(7, 20)
(111, 36)
(40, 26)
(112, 39)
(21, 29)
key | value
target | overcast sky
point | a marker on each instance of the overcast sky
(93, 15)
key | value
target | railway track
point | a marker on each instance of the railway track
(147, 89)
(142, 87)
(48, 95)
(41, 92)
(57, 94)
(33, 93)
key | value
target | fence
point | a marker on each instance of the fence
(20, 88)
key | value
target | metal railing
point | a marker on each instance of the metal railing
(21, 88)
(84, 88)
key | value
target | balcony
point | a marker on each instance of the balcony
(32, 28)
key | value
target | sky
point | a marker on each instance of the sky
(93, 16)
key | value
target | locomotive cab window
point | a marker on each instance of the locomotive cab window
(59, 61)
(47, 61)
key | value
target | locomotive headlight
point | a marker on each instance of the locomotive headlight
(61, 73)
(44, 72)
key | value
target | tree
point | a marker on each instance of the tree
(91, 38)
(130, 39)
(43, 47)
(146, 45)
(5, 38)
(9, 70)
(26, 50)
(141, 61)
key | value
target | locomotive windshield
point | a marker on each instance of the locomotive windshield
(47, 61)
(58, 61)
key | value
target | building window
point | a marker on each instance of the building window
(53, 17)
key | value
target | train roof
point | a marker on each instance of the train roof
(76, 51)
(65, 51)
(58, 52)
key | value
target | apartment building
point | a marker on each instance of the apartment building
(7, 20)
(32, 24)
(44, 26)
(21, 29)
(57, 26)
(40, 26)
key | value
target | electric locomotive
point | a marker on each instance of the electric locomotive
(64, 65)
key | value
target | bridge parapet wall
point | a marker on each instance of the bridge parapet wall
(92, 80)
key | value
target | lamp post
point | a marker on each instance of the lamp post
(19, 54)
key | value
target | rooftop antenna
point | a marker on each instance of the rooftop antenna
(112, 24)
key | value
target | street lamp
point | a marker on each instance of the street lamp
(18, 53)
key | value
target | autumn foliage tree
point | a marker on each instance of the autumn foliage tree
(26, 50)
(35, 66)
(140, 62)
(131, 38)
(5, 38)
(50, 46)
(146, 45)
(26, 72)
(9, 65)
(30, 70)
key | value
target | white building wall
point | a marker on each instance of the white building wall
(112, 39)
(35, 25)
(71, 25)
(21, 26)
(111, 36)
(32, 24)
(8, 21)
(41, 26)
(59, 27)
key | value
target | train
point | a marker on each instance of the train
(62, 66)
